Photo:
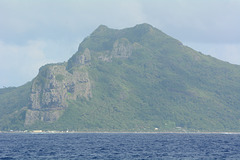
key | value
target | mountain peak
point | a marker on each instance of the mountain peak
(103, 38)
(102, 29)
(142, 28)
(143, 25)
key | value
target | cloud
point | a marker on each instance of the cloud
(64, 19)
(199, 21)
(225, 52)
(18, 63)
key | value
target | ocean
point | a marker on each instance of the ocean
(119, 146)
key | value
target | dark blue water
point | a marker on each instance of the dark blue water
(119, 146)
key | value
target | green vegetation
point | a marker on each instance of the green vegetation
(162, 84)
(13, 103)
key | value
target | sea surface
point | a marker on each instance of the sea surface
(119, 146)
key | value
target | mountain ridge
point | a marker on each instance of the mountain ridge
(133, 79)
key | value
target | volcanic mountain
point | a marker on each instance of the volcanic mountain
(133, 79)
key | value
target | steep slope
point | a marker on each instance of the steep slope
(13, 106)
(134, 79)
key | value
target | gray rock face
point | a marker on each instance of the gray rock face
(58, 83)
(82, 58)
(53, 86)
(122, 48)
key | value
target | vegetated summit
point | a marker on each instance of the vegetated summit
(134, 79)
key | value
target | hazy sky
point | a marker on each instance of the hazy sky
(37, 32)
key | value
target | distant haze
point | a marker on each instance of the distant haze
(37, 32)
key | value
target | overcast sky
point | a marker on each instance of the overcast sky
(37, 32)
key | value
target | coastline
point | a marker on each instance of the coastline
(108, 132)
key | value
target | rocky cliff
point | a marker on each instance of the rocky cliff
(58, 83)
(54, 86)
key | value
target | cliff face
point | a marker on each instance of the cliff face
(54, 86)
(58, 83)
(122, 48)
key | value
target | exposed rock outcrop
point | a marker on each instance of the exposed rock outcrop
(122, 48)
(58, 83)
(53, 86)
(79, 59)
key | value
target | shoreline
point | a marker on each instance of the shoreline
(97, 132)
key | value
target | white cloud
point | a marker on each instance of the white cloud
(19, 63)
(199, 21)
(64, 19)
(225, 52)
